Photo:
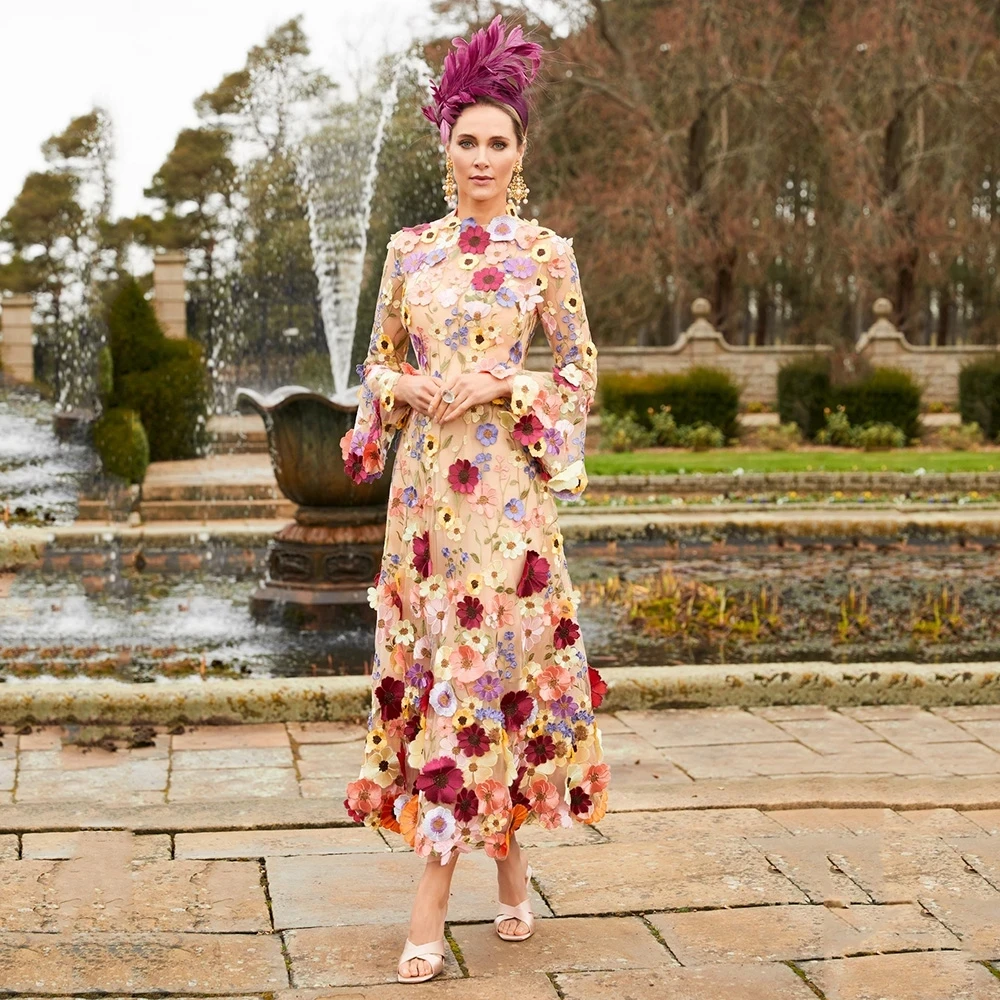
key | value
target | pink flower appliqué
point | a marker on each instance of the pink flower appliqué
(487, 279)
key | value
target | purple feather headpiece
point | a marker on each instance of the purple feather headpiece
(487, 65)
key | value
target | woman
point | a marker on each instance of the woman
(482, 703)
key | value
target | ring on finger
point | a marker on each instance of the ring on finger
(448, 396)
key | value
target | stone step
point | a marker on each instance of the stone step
(168, 492)
(216, 510)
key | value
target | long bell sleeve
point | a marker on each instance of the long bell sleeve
(550, 408)
(380, 415)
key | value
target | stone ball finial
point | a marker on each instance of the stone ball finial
(882, 308)
(701, 308)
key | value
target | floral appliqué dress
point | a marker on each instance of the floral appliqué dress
(482, 713)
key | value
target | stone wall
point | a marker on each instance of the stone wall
(755, 369)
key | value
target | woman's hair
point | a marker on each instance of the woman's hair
(495, 66)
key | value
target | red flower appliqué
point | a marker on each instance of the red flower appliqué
(598, 687)
(565, 633)
(516, 707)
(534, 576)
(470, 612)
(528, 429)
(475, 239)
(390, 697)
(440, 780)
(463, 476)
(422, 554)
(473, 740)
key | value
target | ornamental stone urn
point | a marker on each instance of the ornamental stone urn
(320, 566)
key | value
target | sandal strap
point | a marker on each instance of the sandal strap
(425, 951)
(522, 912)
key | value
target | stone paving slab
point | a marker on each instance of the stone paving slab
(530, 986)
(945, 975)
(278, 843)
(577, 944)
(130, 963)
(652, 876)
(97, 895)
(328, 890)
(749, 982)
(358, 955)
(796, 933)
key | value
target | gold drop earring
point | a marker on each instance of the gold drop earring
(450, 187)
(517, 190)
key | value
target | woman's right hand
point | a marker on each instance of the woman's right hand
(417, 391)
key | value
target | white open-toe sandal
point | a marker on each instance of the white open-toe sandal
(522, 911)
(433, 953)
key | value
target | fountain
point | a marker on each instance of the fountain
(319, 567)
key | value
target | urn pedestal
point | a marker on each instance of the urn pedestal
(320, 566)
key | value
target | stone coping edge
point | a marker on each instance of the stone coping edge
(313, 699)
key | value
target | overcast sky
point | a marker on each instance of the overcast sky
(146, 62)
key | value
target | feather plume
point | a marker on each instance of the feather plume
(490, 64)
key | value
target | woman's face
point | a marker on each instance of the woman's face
(483, 149)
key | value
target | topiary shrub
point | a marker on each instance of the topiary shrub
(703, 395)
(979, 395)
(172, 400)
(122, 444)
(163, 380)
(883, 396)
(805, 394)
(134, 333)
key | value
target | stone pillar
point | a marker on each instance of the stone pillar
(16, 350)
(168, 293)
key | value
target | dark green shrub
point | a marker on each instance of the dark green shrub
(703, 395)
(163, 380)
(122, 444)
(172, 400)
(134, 332)
(884, 396)
(105, 374)
(804, 394)
(979, 396)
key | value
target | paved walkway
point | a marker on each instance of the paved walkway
(772, 854)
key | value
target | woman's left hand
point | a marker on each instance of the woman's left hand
(470, 389)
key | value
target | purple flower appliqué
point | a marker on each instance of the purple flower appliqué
(520, 267)
(514, 508)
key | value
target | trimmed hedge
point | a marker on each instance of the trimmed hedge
(979, 396)
(883, 396)
(122, 444)
(804, 394)
(702, 396)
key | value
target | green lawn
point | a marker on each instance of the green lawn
(670, 461)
